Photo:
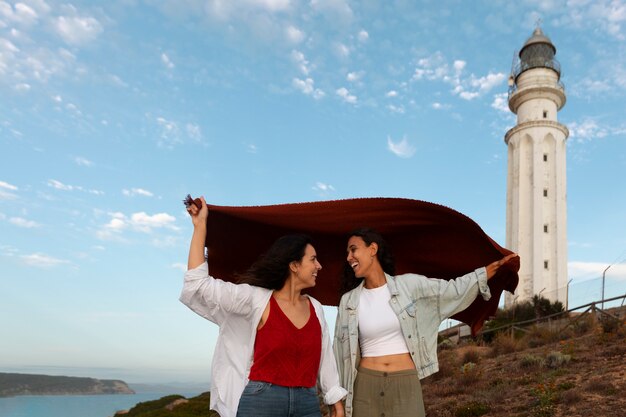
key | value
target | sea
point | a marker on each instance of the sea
(75, 405)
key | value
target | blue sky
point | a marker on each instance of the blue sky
(111, 112)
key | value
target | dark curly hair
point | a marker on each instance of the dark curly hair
(271, 269)
(349, 281)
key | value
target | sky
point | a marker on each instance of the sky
(111, 112)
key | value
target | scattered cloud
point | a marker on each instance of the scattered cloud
(21, 222)
(137, 222)
(301, 62)
(436, 68)
(363, 36)
(439, 106)
(84, 162)
(403, 149)
(392, 93)
(75, 29)
(501, 102)
(167, 61)
(252, 148)
(58, 185)
(41, 260)
(307, 87)
(294, 35)
(355, 77)
(8, 186)
(170, 133)
(586, 130)
(323, 189)
(137, 191)
(341, 50)
(396, 109)
(346, 96)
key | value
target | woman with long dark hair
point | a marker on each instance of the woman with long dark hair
(273, 349)
(387, 326)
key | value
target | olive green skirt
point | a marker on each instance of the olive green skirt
(387, 394)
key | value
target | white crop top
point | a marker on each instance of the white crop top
(379, 328)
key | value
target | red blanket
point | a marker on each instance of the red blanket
(425, 238)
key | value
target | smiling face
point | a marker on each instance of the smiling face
(362, 258)
(307, 268)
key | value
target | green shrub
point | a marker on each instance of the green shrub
(557, 359)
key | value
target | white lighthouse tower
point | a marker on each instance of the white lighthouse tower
(536, 193)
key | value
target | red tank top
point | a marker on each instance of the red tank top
(285, 355)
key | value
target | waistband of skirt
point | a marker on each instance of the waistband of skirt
(373, 372)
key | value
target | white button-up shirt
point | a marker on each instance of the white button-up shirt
(237, 310)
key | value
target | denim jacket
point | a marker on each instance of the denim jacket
(421, 304)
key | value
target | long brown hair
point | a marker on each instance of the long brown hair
(271, 269)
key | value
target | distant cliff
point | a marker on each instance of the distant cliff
(28, 384)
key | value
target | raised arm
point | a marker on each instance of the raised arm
(196, 247)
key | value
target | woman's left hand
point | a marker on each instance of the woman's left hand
(493, 267)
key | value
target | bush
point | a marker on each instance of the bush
(471, 355)
(473, 409)
(531, 361)
(557, 359)
(503, 344)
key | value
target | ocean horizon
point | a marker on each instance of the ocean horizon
(76, 405)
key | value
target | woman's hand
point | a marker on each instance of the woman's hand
(199, 216)
(337, 410)
(493, 267)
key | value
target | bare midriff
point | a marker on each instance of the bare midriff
(388, 363)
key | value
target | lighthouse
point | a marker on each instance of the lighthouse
(536, 181)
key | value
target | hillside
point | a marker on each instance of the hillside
(578, 372)
(29, 384)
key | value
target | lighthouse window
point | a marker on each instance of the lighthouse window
(545, 228)
(545, 192)
(545, 157)
(545, 114)
(545, 264)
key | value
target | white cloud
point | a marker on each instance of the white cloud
(294, 35)
(21, 222)
(301, 62)
(341, 50)
(171, 134)
(586, 130)
(75, 29)
(21, 13)
(436, 68)
(252, 148)
(167, 61)
(41, 260)
(323, 189)
(66, 187)
(363, 36)
(396, 109)
(440, 106)
(403, 149)
(137, 222)
(346, 96)
(392, 93)
(354, 76)
(8, 186)
(84, 162)
(60, 186)
(137, 191)
(22, 87)
(307, 86)
(501, 102)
